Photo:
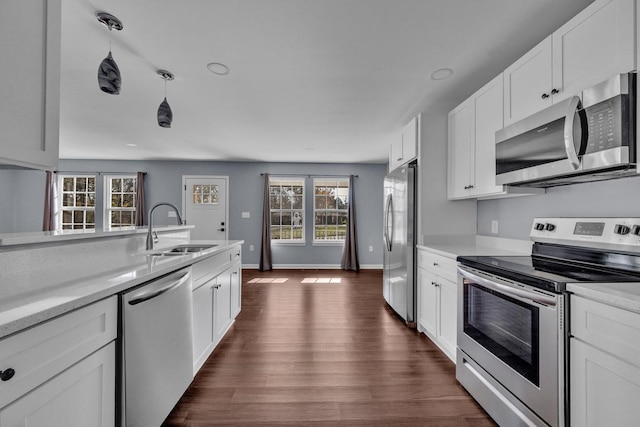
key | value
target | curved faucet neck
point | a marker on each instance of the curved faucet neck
(149, 231)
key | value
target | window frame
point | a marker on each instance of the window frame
(60, 224)
(293, 179)
(338, 180)
(107, 196)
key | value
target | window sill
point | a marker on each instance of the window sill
(286, 243)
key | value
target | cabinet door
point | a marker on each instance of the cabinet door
(81, 396)
(30, 90)
(488, 119)
(236, 290)
(460, 174)
(410, 141)
(527, 81)
(594, 46)
(395, 154)
(447, 319)
(427, 304)
(604, 390)
(203, 335)
(222, 305)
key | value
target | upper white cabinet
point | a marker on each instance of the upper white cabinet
(405, 148)
(596, 44)
(30, 89)
(472, 152)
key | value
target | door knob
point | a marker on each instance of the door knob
(220, 229)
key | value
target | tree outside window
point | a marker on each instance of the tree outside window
(330, 207)
(287, 209)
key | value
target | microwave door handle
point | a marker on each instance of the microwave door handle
(569, 144)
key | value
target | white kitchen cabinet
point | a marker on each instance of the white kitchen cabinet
(81, 396)
(216, 301)
(437, 300)
(472, 152)
(30, 89)
(595, 45)
(64, 370)
(405, 148)
(604, 364)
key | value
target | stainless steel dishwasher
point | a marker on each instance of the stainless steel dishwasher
(156, 348)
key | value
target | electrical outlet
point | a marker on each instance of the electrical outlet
(494, 226)
(370, 248)
(172, 214)
(251, 248)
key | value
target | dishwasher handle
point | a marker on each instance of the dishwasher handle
(157, 292)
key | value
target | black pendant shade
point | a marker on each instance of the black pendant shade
(165, 115)
(109, 78)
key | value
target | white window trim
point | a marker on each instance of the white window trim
(291, 242)
(106, 197)
(60, 199)
(333, 242)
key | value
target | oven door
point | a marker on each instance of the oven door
(513, 333)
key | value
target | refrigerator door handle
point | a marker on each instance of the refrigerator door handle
(389, 217)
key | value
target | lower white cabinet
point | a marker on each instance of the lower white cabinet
(64, 370)
(216, 301)
(437, 296)
(604, 364)
(81, 396)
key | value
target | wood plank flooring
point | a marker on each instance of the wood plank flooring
(324, 354)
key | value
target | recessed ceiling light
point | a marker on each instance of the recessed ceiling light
(309, 149)
(218, 68)
(131, 145)
(441, 74)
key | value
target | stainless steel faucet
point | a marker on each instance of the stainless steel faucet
(149, 236)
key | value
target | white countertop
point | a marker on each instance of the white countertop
(622, 295)
(37, 303)
(454, 246)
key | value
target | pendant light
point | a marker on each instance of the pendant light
(109, 79)
(165, 115)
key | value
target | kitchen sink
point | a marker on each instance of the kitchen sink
(185, 249)
(182, 250)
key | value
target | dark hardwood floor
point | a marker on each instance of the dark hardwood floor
(324, 354)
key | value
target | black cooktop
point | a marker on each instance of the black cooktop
(543, 271)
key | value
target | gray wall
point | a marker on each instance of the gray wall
(163, 184)
(615, 198)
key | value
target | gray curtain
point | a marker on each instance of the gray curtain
(350, 254)
(48, 217)
(140, 201)
(265, 247)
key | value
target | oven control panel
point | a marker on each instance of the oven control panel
(606, 233)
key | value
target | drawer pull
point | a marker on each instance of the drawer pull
(7, 374)
(435, 264)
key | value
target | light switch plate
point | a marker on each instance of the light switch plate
(246, 214)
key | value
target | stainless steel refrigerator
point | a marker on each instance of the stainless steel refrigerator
(399, 288)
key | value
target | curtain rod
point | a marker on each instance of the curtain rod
(310, 175)
(99, 173)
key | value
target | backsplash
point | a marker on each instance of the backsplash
(614, 198)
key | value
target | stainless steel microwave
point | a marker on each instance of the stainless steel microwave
(575, 140)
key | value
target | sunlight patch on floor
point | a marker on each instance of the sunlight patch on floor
(269, 280)
(321, 280)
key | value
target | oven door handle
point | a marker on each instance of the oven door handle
(507, 290)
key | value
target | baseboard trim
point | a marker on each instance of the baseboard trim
(312, 266)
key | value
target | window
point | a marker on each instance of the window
(120, 201)
(77, 195)
(330, 206)
(287, 210)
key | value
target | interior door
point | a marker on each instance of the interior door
(205, 205)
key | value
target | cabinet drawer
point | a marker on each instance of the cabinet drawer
(608, 328)
(440, 265)
(45, 350)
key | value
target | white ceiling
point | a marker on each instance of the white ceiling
(311, 80)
